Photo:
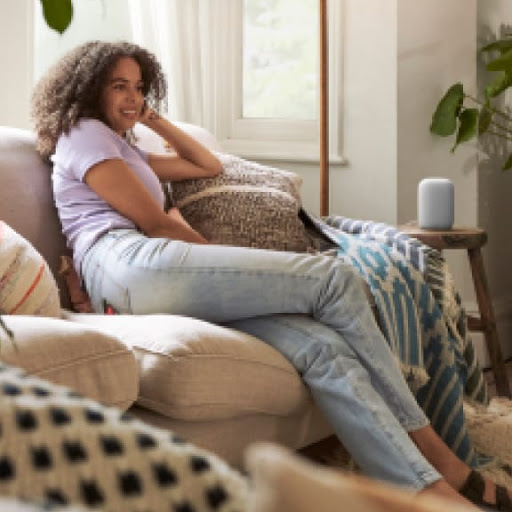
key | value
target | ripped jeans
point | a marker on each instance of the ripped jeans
(311, 308)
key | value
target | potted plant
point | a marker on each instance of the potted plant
(463, 116)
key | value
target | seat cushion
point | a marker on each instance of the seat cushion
(194, 370)
(94, 363)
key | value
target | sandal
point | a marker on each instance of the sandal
(473, 490)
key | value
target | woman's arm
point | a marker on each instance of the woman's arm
(192, 159)
(118, 185)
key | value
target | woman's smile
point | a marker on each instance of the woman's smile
(123, 97)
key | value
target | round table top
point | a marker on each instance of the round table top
(455, 238)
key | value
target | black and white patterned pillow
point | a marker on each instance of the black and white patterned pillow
(248, 205)
(61, 448)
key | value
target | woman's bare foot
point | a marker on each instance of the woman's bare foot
(454, 471)
(443, 489)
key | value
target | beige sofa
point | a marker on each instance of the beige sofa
(216, 387)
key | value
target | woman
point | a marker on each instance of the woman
(130, 252)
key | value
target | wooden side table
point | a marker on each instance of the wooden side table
(471, 239)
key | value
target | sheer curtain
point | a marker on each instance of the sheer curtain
(178, 32)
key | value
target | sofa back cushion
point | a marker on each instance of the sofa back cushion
(26, 199)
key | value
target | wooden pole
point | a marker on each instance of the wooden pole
(324, 111)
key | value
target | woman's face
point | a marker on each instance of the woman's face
(122, 98)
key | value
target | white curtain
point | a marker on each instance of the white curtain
(178, 32)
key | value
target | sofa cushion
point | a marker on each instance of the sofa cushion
(26, 197)
(93, 363)
(194, 370)
(26, 284)
(248, 204)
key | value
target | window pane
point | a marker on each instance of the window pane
(280, 59)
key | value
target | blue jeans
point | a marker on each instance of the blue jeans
(311, 308)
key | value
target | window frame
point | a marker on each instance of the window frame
(268, 139)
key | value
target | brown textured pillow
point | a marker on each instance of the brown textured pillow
(248, 205)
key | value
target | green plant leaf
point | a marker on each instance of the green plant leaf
(58, 14)
(444, 120)
(498, 85)
(508, 164)
(468, 126)
(501, 45)
(502, 63)
(484, 119)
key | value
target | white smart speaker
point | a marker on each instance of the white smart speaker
(435, 203)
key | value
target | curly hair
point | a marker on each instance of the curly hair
(72, 88)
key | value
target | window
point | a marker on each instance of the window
(247, 70)
(267, 78)
(279, 65)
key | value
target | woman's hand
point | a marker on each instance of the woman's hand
(174, 214)
(182, 229)
(192, 159)
(148, 115)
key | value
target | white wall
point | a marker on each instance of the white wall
(15, 61)
(367, 185)
(432, 56)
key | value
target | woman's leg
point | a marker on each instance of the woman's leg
(139, 275)
(344, 391)
(222, 284)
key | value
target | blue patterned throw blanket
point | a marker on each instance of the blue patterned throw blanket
(421, 316)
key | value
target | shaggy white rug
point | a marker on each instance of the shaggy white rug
(490, 430)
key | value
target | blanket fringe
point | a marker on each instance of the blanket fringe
(416, 376)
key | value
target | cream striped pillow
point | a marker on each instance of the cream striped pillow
(27, 286)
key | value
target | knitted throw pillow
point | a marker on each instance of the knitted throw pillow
(248, 204)
(27, 286)
(67, 450)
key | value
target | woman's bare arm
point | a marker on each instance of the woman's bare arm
(117, 184)
(192, 159)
